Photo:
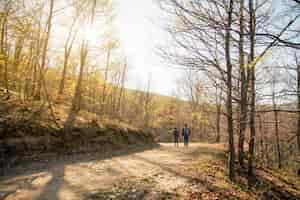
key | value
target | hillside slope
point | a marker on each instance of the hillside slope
(28, 130)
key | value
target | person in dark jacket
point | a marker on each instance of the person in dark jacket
(186, 132)
(176, 137)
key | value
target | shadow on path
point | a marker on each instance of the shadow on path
(23, 177)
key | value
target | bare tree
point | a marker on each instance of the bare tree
(4, 48)
(278, 149)
(218, 112)
(298, 102)
(252, 92)
(147, 102)
(67, 52)
(121, 93)
(44, 51)
(243, 87)
(229, 91)
(109, 46)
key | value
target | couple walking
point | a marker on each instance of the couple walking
(186, 132)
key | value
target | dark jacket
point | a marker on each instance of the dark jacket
(176, 133)
(186, 133)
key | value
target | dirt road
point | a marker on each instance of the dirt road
(156, 173)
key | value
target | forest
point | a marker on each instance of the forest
(73, 126)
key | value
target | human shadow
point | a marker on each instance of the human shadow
(55, 166)
(51, 190)
(49, 161)
(48, 188)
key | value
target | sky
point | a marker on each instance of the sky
(139, 29)
(141, 33)
(139, 26)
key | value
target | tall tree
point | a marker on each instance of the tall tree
(67, 52)
(4, 49)
(108, 46)
(121, 92)
(77, 96)
(229, 91)
(218, 112)
(243, 87)
(44, 51)
(278, 149)
(298, 101)
(252, 91)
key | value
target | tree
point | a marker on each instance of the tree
(243, 87)
(77, 96)
(218, 112)
(108, 46)
(252, 91)
(229, 91)
(67, 52)
(4, 49)
(205, 42)
(121, 93)
(44, 52)
(278, 149)
(147, 103)
(298, 102)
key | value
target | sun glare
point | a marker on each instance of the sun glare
(90, 34)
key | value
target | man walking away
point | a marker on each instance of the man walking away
(185, 134)
(176, 137)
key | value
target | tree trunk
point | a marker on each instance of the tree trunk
(252, 94)
(44, 52)
(278, 149)
(243, 89)
(261, 146)
(229, 92)
(146, 105)
(6, 73)
(28, 73)
(67, 51)
(36, 59)
(122, 89)
(298, 104)
(105, 80)
(218, 109)
(64, 72)
(218, 139)
(4, 50)
(17, 59)
(77, 96)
